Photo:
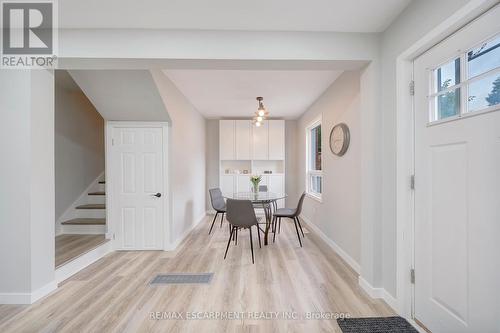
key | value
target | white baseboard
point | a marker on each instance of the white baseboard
(28, 298)
(172, 246)
(83, 229)
(373, 292)
(335, 247)
(379, 293)
(77, 264)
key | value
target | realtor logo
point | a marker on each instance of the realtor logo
(28, 34)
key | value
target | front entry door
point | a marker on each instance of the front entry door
(457, 184)
(138, 182)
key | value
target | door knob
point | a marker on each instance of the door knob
(157, 195)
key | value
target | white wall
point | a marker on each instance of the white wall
(186, 158)
(79, 144)
(338, 216)
(27, 191)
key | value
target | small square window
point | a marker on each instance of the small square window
(447, 75)
(484, 58)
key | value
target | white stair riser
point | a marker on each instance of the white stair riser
(90, 213)
(101, 187)
(96, 199)
(83, 229)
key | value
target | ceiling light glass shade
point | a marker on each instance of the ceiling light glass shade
(259, 119)
(258, 124)
(261, 112)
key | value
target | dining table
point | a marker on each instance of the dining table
(265, 200)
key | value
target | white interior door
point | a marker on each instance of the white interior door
(138, 180)
(457, 191)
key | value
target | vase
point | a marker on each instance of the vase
(256, 188)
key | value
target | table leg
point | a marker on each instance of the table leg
(267, 211)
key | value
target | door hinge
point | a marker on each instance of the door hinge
(412, 276)
(412, 182)
(412, 88)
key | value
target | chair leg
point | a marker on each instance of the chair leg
(300, 226)
(258, 234)
(215, 217)
(221, 219)
(236, 237)
(275, 227)
(279, 226)
(297, 229)
(229, 241)
(251, 244)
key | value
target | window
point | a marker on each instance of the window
(467, 84)
(314, 175)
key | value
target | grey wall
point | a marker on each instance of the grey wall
(186, 158)
(338, 215)
(79, 143)
(212, 157)
(417, 19)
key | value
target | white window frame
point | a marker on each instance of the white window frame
(310, 172)
(464, 83)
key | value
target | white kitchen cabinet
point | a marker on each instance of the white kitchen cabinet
(243, 183)
(227, 184)
(243, 139)
(276, 184)
(260, 144)
(276, 139)
(227, 139)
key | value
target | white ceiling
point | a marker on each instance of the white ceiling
(255, 15)
(232, 93)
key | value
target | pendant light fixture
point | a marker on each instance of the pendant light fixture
(261, 114)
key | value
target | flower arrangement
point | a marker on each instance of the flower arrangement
(255, 182)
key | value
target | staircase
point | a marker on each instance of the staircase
(88, 214)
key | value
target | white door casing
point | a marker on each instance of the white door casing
(137, 173)
(457, 202)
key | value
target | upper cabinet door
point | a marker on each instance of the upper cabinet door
(243, 133)
(276, 139)
(226, 139)
(261, 142)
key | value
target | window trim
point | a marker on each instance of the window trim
(309, 172)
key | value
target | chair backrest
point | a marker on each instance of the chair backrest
(299, 206)
(240, 213)
(262, 188)
(216, 198)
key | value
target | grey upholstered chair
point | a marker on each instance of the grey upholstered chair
(263, 188)
(218, 204)
(291, 213)
(241, 215)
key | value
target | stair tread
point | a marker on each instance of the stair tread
(98, 193)
(92, 206)
(85, 221)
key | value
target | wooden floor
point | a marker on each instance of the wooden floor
(69, 247)
(114, 295)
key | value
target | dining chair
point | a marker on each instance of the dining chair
(291, 213)
(263, 188)
(241, 215)
(218, 204)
